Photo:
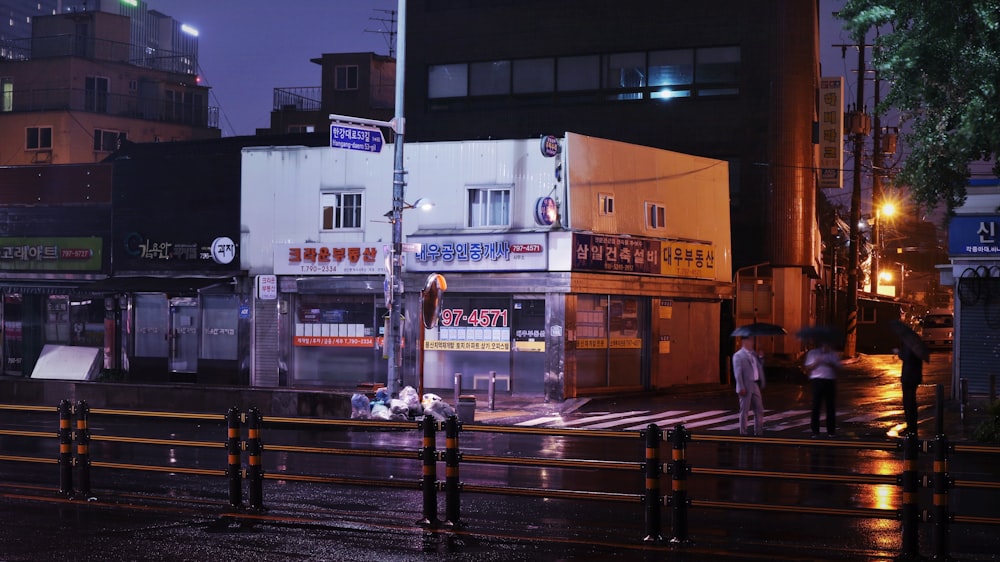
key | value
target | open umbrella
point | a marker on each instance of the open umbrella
(910, 339)
(759, 329)
(821, 334)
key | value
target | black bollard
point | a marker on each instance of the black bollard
(910, 512)
(653, 436)
(492, 391)
(233, 447)
(428, 484)
(255, 473)
(65, 448)
(452, 484)
(458, 387)
(83, 447)
(679, 471)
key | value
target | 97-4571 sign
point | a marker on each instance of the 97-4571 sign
(353, 137)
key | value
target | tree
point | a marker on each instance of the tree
(942, 58)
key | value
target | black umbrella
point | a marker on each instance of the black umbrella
(759, 329)
(821, 334)
(910, 339)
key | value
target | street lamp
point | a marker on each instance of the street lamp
(885, 211)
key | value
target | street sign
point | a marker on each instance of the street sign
(353, 137)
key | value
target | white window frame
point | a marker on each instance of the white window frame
(341, 212)
(484, 213)
(605, 204)
(38, 130)
(106, 135)
(656, 216)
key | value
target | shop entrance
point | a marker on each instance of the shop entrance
(182, 335)
(528, 349)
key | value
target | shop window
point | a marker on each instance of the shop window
(219, 326)
(489, 206)
(38, 138)
(340, 211)
(151, 321)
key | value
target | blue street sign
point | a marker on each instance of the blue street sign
(353, 137)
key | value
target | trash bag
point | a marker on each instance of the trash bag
(382, 396)
(437, 408)
(381, 412)
(409, 396)
(398, 410)
(360, 407)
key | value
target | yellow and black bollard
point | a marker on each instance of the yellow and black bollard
(234, 448)
(65, 447)
(255, 473)
(452, 484)
(679, 471)
(653, 436)
(910, 512)
(83, 447)
(942, 481)
(428, 484)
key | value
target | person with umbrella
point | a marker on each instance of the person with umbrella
(913, 353)
(748, 369)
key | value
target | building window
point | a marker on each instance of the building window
(605, 204)
(107, 141)
(671, 73)
(578, 73)
(346, 77)
(718, 66)
(301, 128)
(6, 94)
(625, 71)
(448, 81)
(489, 206)
(340, 211)
(489, 78)
(656, 216)
(96, 90)
(534, 76)
(38, 138)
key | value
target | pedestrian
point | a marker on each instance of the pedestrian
(911, 374)
(748, 369)
(823, 363)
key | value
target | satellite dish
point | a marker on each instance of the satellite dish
(430, 299)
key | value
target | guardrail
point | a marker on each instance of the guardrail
(243, 461)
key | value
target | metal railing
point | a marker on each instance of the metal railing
(71, 45)
(121, 105)
(243, 463)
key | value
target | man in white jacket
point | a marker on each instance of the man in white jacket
(748, 370)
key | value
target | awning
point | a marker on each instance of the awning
(170, 285)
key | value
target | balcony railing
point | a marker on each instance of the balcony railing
(134, 107)
(298, 99)
(35, 48)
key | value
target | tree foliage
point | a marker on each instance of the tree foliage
(942, 58)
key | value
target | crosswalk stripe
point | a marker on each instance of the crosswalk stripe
(678, 419)
(608, 425)
(769, 416)
(616, 416)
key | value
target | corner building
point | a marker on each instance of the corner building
(574, 265)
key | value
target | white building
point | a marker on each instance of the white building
(576, 265)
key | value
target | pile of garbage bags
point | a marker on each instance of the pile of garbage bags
(407, 407)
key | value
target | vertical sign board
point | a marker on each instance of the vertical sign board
(831, 132)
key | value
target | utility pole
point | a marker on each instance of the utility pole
(877, 172)
(858, 128)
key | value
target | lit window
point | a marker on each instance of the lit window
(489, 206)
(340, 211)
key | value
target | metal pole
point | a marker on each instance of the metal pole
(877, 191)
(393, 339)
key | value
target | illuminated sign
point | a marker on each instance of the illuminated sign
(974, 235)
(616, 254)
(486, 252)
(326, 259)
(50, 254)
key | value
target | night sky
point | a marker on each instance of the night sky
(249, 47)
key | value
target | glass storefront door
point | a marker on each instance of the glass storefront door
(183, 335)
(528, 357)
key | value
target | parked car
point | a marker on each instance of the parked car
(938, 328)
